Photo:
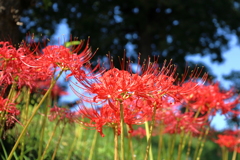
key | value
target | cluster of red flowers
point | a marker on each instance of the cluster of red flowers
(185, 105)
(151, 91)
(25, 66)
(139, 93)
(196, 109)
(61, 114)
(8, 113)
(29, 66)
(230, 139)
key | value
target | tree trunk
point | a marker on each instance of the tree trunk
(10, 13)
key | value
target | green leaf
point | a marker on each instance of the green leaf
(72, 43)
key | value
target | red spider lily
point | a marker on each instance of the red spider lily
(61, 114)
(24, 66)
(120, 85)
(14, 65)
(210, 98)
(230, 140)
(107, 116)
(8, 113)
(67, 59)
(139, 132)
(100, 117)
(138, 92)
(178, 122)
(42, 86)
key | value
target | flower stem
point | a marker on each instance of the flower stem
(130, 144)
(115, 130)
(225, 157)
(122, 130)
(173, 140)
(202, 143)
(149, 137)
(160, 142)
(234, 153)
(43, 127)
(93, 145)
(25, 117)
(78, 133)
(198, 145)
(180, 146)
(58, 142)
(33, 114)
(49, 141)
(189, 146)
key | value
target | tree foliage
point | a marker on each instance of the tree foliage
(169, 28)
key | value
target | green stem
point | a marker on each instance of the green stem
(49, 141)
(83, 148)
(147, 136)
(3, 149)
(58, 142)
(130, 144)
(10, 95)
(172, 146)
(25, 117)
(115, 130)
(122, 130)
(234, 153)
(33, 114)
(223, 152)
(226, 155)
(202, 143)
(150, 134)
(184, 139)
(78, 133)
(160, 141)
(43, 127)
(198, 145)
(93, 145)
(180, 146)
(189, 146)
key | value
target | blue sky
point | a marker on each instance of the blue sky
(231, 62)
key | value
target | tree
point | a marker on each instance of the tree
(10, 14)
(169, 28)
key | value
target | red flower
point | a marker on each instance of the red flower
(21, 66)
(8, 113)
(139, 132)
(120, 85)
(25, 66)
(229, 141)
(210, 98)
(107, 116)
(177, 122)
(42, 86)
(67, 59)
(61, 114)
(138, 92)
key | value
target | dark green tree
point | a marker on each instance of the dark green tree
(169, 28)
